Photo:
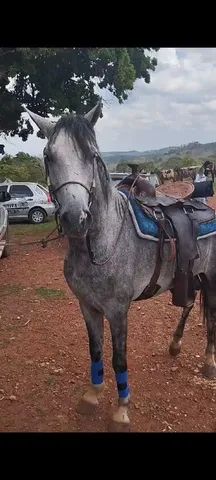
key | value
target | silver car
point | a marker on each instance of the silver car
(27, 201)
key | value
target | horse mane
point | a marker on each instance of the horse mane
(78, 128)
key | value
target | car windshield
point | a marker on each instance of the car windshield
(40, 187)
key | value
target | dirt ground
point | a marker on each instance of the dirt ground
(44, 359)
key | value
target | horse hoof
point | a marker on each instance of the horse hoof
(120, 421)
(118, 427)
(86, 408)
(174, 349)
(209, 371)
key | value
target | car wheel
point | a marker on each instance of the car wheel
(37, 216)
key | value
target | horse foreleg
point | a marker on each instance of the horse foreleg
(175, 345)
(118, 325)
(95, 327)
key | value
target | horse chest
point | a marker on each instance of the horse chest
(92, 285)
(81, 278)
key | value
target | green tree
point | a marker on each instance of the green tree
(147, 167)
(144, 166)
(189, 162)
(176, 161)
(122, 167)
(22, 168)
(49, 80)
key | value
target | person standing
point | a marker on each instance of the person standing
(201, 177)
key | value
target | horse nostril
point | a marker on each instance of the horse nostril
(83, 218)
(88, 216)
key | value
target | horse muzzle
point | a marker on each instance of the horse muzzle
(75, 223)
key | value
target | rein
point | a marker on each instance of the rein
(43, 241)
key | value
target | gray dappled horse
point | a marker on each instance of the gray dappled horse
(107, 265)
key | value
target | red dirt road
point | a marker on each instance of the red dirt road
(44, 359)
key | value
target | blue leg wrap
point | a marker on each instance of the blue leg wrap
(97, 372)
(122, 384)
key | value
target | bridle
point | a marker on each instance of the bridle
(53, 190)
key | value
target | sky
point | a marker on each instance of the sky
(177, 107)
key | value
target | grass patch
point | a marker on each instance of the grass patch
(50, 292)
(26, 229)
(10, 290)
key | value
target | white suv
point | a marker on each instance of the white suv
(27, 201)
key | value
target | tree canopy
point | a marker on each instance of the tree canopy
(180, 162)
(144, 166)
(50, 80)
(22, 168)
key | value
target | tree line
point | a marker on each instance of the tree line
(156, 166)
(22, 168)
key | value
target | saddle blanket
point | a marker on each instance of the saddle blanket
(148, 228)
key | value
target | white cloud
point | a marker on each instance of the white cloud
(177, 107)
(167, 57)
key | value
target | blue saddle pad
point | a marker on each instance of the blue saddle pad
(148, 228)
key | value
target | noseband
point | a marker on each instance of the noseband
(69, 183)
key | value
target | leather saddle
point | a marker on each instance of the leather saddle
(179, 221)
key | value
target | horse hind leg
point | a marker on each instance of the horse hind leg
(175, 345)
(209, 369)
(95, 327)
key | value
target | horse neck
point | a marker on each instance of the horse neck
(104, 211)
(107, 216)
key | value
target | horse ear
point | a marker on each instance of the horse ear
(94, 113)
(44, 124)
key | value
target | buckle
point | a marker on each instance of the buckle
(191, 210)
(158, 215)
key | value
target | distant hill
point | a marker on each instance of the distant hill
(194, 150)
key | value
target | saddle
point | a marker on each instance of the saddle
(178, 221)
